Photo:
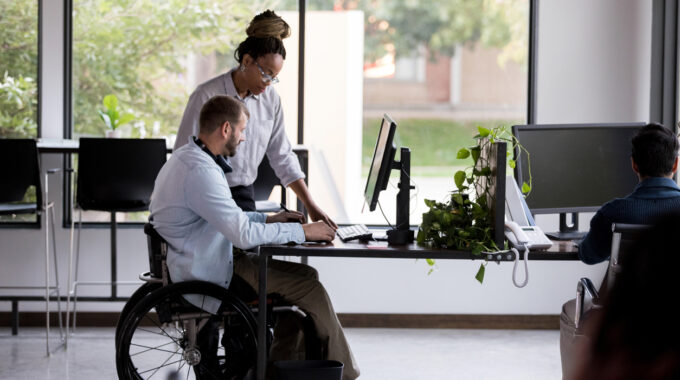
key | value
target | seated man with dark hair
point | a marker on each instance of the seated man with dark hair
(654, 159)
(193, 210)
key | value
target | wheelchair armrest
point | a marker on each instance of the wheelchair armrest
(583, 288)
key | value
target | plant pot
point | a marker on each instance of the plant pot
(113, 134)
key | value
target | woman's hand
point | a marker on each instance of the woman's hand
(286, 217)
(316, 214)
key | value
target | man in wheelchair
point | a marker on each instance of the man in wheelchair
(193, 210)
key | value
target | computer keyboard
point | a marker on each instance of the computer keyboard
(357, 231)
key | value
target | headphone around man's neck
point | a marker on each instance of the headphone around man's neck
(220, 160)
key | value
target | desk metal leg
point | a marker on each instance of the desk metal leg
(262, 318)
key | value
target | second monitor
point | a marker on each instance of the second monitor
(575, 168)
(379, 173)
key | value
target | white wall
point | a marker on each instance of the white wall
(593, 66)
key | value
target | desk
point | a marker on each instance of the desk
(65, 146)
(560, 251)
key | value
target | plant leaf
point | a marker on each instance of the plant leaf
(459, 178)
(475, 152)
(480, 274)
(105, 118)
(110, 102)
(525, 188)
(126, 118)
(463, 153)
(483, 132)
(511, 163)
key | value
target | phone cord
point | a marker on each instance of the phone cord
(526, 267)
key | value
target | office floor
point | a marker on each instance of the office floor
(389, 354)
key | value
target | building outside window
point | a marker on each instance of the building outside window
(439, 70)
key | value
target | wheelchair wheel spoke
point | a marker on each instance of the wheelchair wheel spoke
(165, 364)
(162, 329)
(148, 348)
(150, 331)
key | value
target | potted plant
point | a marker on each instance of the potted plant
(464, 220)
(112, 116)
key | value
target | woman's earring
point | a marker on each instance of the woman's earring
(243, 68)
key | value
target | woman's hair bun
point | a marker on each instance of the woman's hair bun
(268, 24)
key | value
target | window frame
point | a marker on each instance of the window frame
(302, 10)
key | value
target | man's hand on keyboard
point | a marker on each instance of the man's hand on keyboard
(286, 217)
(318, 231)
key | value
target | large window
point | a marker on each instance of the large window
(19, 34)
(151, 54)
(440, 70)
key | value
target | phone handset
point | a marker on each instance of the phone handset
(518, 238)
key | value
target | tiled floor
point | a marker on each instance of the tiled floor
(389, 354)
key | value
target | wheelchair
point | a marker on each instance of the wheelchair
(161, 325)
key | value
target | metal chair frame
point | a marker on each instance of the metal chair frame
(42, 206)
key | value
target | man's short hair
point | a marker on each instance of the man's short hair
(219, 109)
(655, 148)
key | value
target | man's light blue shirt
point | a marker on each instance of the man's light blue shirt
(192, 209)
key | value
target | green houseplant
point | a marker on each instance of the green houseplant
(111, 116)
(463, 221)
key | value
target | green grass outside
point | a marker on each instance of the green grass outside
(434, 143)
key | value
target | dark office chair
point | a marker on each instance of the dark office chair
(264, 184)
(20, 169)
(114, 175)
(588, 299)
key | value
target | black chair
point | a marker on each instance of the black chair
(19, 171)
(114, 175)
(264, 184)
(588, 299)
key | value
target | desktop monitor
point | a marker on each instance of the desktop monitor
(378, 175)
(575, 167)
(383, 155)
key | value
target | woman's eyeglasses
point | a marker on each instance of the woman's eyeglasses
(266, 78)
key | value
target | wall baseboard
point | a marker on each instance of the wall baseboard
(416, 321)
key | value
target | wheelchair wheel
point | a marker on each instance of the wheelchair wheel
(135, 298)
(165, 335)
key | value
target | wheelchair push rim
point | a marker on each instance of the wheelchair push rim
(160, 336)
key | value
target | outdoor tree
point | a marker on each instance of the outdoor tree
(139, 51)
(403, 27)
(18, 68)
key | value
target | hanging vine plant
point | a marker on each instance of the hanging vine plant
(464, 220)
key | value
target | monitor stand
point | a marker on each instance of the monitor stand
(568, 231)
(402, 233)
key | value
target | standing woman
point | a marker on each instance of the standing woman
(260, 58)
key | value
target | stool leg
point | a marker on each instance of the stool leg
(56, 275)
(69, 279)
(75, 283)
(47, 280)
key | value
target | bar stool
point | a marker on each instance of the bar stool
(114, 175)
(19, 171)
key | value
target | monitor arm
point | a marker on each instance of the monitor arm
(401, 233)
